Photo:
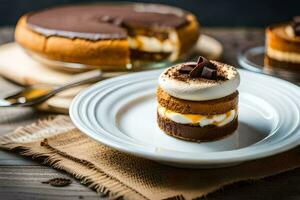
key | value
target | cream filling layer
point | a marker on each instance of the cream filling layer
(154, 45)
(202, 120)
(283, 56)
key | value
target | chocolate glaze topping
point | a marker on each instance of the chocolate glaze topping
(296, 25)
(95, 22)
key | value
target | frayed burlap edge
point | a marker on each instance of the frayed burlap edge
(22, 142)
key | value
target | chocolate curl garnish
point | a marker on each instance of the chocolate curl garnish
(58, 182)
(113, 20)
(186, 69)
(197, 71)
(202, 69)
(118, 21)
(209, 73)
(296, 25)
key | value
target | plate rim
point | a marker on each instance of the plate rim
(151, 155)
(257, 68)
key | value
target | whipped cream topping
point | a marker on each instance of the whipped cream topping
(200, 89)
(202, 120)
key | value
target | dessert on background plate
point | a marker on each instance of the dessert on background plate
(112, 36)
(198, 101)
(281, 54)
(283, 45)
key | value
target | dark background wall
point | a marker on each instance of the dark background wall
(209, 12)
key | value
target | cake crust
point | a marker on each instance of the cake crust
(104, 53)
(210, 107)
(196, 133)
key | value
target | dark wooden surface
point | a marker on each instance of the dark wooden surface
(21, 178)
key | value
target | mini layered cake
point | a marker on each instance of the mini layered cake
(112, 36)
(198, 101)
(283, 45)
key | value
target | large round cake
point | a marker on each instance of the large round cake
(112, 36)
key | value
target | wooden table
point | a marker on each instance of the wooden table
(21, 178)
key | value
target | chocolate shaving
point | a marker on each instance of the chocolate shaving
(296, 25)
(197, 71)
(202, 69)
(186, 69)
(118, 21)
(209, 73)
(106, 18)
(114, 20)
(58, 182)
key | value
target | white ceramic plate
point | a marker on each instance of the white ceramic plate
(121, 113)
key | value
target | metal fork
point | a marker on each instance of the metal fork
(33, 95)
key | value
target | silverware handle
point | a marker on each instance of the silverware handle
(80, 79)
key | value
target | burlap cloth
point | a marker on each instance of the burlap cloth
(59, 144)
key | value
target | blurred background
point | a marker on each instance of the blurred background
(253, 13)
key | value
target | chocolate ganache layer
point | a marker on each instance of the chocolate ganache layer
(100, 22)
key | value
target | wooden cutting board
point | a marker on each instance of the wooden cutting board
(16, 65)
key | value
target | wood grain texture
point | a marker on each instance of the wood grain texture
(25, 182)
(21, 178)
